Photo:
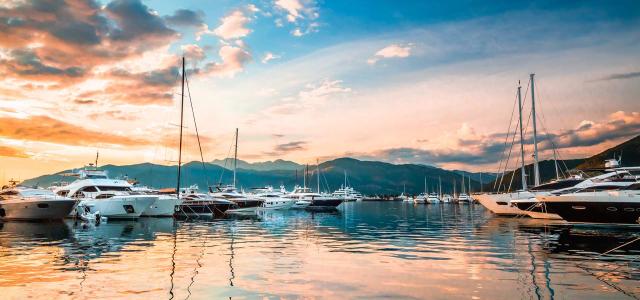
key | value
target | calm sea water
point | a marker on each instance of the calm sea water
(366, 250)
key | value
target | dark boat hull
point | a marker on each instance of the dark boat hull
(596, 212)
(327, 204)
(202, 209)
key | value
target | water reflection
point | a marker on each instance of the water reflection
(365, 250)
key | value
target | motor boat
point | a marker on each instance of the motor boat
(421, 199)
(197, 204)
(433, 198)
(597, 204)
(464, 198)
(532, 207)
(244, 203)
(165, 206)
(273, 200)
(347, 194)
(446, 198)
(23, 203)
(313, 201)
(113, 198)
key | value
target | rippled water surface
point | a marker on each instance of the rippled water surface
(365, 250)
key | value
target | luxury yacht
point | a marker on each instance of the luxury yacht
(347, 194)
(313, 201)
(464, 198)
(196, 204)
(273, 200)
(166, 205)
(433, 198)
(421, 199)
(446, 198)
(22, 203)
(113, 198)
(597, 204)
(245, 203)
(528, 204)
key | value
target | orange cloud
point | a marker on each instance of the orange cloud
(13, 152)
(46, 129)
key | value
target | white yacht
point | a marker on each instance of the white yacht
(421, 199)
(446, 198)
(347, 194)
(113, 198)
(307, 199)
(165, 206)
(272, 199)
(405, 198)
(433, 198)
(464, 198)
(23, 203)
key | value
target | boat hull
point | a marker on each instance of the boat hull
(119, 207)
(499, 204)
(324, 204)
(163, 207)
(246, 206)
(202, 208)
(36, 209)
(603, 209)
(278, 204)
(535, 209)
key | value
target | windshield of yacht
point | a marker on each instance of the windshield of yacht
(635, 187)
(114, 189)
(556, 185)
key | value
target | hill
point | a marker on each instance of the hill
(369, 177)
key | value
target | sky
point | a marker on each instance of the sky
(429, 82)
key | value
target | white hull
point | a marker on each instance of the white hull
(163, 207)
(116, 207)
(419, 201)
(36, 209)
(499, 203)
(279, 204)
(300, 204)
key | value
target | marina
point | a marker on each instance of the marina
(459, 251)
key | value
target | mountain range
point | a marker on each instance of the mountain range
(368, 177)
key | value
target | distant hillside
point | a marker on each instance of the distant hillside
(277, 164)
(368, 177)
(629, 150)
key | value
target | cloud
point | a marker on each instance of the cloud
(393, 50)
(283, 149)
(193, 52)
(233, 61)
(47, 129)
(233, 26)
(628, 75)
(312, 96)
(300, 13)
(475, 149)
(8, 151)
(268, 57)
(186, 17)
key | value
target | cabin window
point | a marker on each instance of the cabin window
(128, 208)
(114, 189)
(63, 193)
(43, 205)
(78, 194)
(90, 189)
(104, 196)
(9, 193)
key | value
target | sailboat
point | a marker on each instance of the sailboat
(404, 196)
(500, 203)
(192, 202)
(245, 203)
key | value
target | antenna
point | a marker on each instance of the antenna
(97, 154)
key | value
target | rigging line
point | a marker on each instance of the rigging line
(506, 138)
(226, 159)
(195, 125)
(513, 139)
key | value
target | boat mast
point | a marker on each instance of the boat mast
(469, 185)
(555, 162)
(523, 175)
(536, 170)
(235, 159)
(181, 123)
(439, 187)
(425, 185)
(304, 178)
(318, 169)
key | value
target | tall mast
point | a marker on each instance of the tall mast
(536, 170)
(454, 187)
(235, 159)
(555, 162)
(345, 178)
(318, 169)
(469, 191)
(523, 175)
(304, 178)
(181, 123)
(462, 191)
(439, 187)
(425, 184)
